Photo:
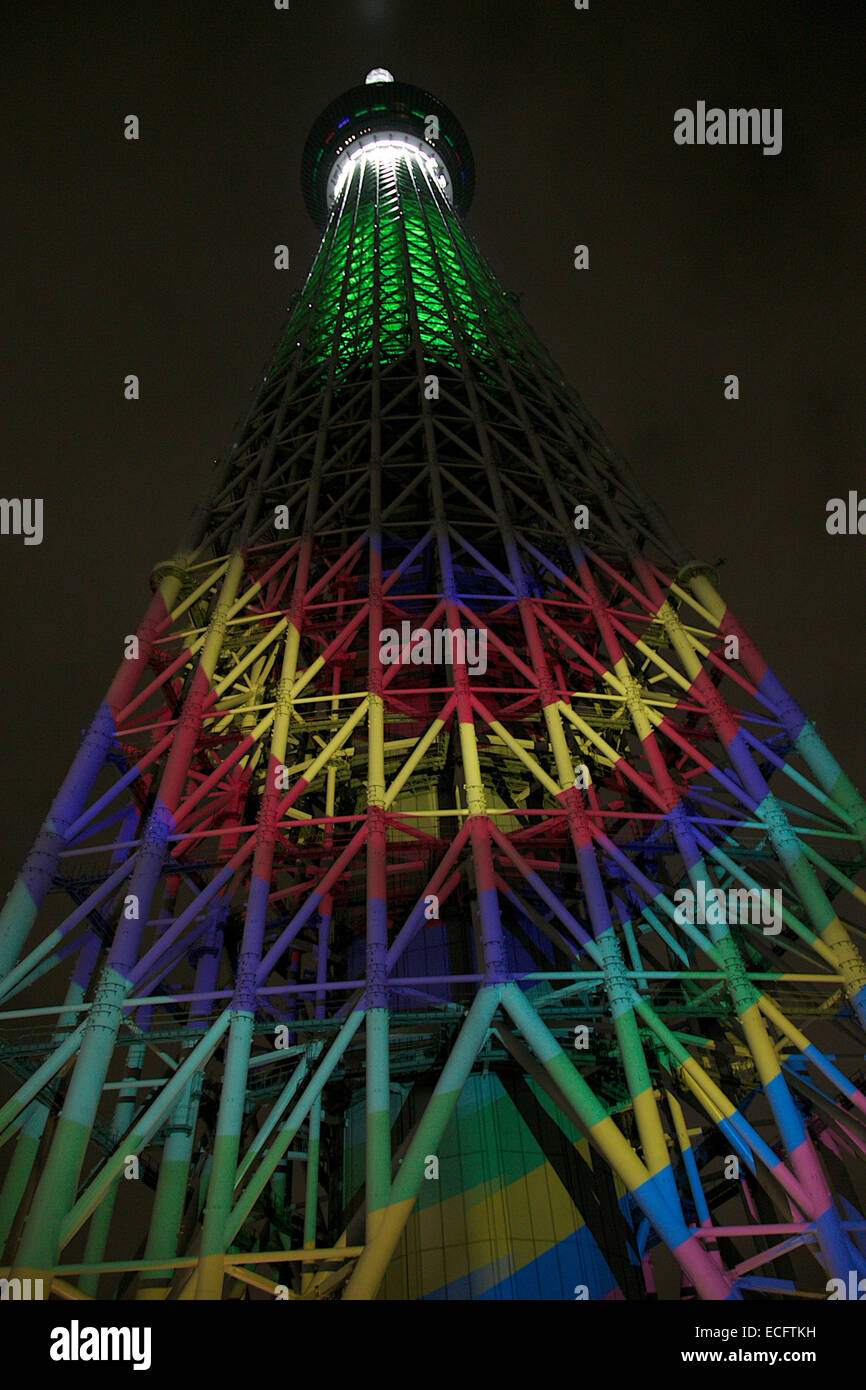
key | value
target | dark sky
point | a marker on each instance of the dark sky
(156, 258)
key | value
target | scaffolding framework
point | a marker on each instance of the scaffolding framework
(330, 913)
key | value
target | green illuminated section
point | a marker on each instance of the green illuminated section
(427, 270)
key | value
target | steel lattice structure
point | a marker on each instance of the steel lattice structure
(336, 920)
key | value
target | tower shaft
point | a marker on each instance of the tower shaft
(452, 882)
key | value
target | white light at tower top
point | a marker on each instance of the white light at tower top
(386, 147)
(379, 75)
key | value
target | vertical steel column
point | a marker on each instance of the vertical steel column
(378, 1095)
(326, 908)
(372, 1264)
(172, 1184)
(37, 1113)
(100, 1221)
(56, 1191)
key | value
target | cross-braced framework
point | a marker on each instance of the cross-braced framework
(376, 974)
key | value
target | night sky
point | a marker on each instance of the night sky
(156, 258)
